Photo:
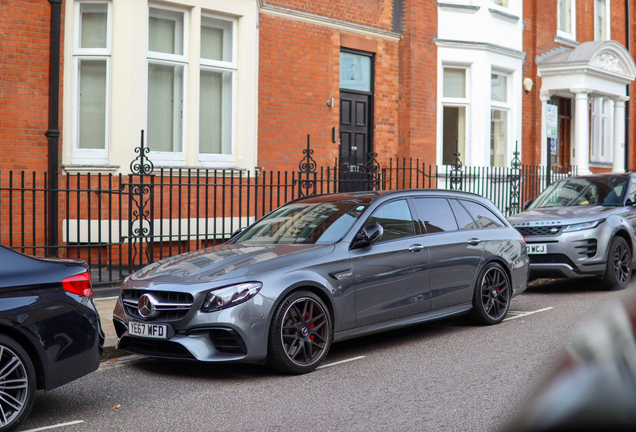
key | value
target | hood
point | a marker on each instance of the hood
(563, 215)
(223, 262)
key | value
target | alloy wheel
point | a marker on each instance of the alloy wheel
(305, 331)
(13, 386)
(621, 263)
(495, 293)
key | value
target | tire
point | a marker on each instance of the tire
(491, 299)
(17, 384)
(300, 334)
(618, 270)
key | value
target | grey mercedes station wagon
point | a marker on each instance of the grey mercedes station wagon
(323, 269)
(582, 226)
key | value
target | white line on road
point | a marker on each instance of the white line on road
(340, 362)
(523, 314)
(55, 426)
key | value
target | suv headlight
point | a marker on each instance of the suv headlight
(226, 297)
(583, 226)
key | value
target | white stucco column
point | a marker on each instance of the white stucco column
(619, 135)
(582, 131)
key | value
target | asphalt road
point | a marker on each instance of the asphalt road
(443, 376)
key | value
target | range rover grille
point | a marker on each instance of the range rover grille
(551, 230)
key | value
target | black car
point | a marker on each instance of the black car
(50, 332)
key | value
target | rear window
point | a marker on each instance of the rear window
(484, 217)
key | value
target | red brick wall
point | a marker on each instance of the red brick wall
(24, 83)
(299, 72)
(299, 67)
(372, 13)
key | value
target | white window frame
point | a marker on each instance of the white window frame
(563, 33)
(219, 160)
(154, 57)
(602, 131)
(608, 17)
(502, 3)
(91, 156)
(459, 103)
(505, 107)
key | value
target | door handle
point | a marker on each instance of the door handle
(416, 248)
(473, 241)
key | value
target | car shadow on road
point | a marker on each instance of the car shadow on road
(564, 286)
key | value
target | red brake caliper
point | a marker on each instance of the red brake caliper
(310, 325)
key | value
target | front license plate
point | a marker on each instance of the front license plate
(537, 249)
(155, 331)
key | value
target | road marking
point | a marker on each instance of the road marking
(55, 426)
(516, 314)
(340, 362)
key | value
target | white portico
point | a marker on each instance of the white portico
(594, 71)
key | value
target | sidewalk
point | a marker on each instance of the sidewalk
(105, 306)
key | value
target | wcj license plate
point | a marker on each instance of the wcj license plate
(537, 249)
(156, 331)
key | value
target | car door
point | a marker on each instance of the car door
(456, 247)
(392, 275)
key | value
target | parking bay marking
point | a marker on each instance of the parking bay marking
(340, 362)
(516, 314)
(71, 423)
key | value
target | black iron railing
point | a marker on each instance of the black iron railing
(118, 223)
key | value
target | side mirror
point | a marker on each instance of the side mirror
(527, 204)
(237, 232)
(629, 202)
(368, 236)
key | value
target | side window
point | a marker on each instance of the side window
(464, 220)
(395, 217)
(435, 214)
(632, 191)
(484, 217)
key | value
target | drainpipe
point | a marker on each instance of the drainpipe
(629, 44)
(53, 132)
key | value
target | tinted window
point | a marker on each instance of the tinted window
(484, 217)
(435, 214)
(395, 217)
(464, 220)
(305, 223)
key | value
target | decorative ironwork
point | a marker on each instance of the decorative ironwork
(141, 165)
(373, 171)
(456, 174)
(141, 193)
(307, 170)
(515, 182)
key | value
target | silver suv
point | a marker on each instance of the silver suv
(582, 226)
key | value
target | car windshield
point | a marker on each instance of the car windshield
(582, 191)
(305, 223)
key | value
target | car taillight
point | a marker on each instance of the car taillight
(79, 284)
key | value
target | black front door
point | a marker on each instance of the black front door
(354, 139)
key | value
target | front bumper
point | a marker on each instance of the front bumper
(236, 334)
(570, 254)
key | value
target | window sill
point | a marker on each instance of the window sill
(89, 169)
(566, 41)
(504, 15)
(461, 8)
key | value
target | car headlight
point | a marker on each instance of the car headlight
(583, 226)
(226, 297)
